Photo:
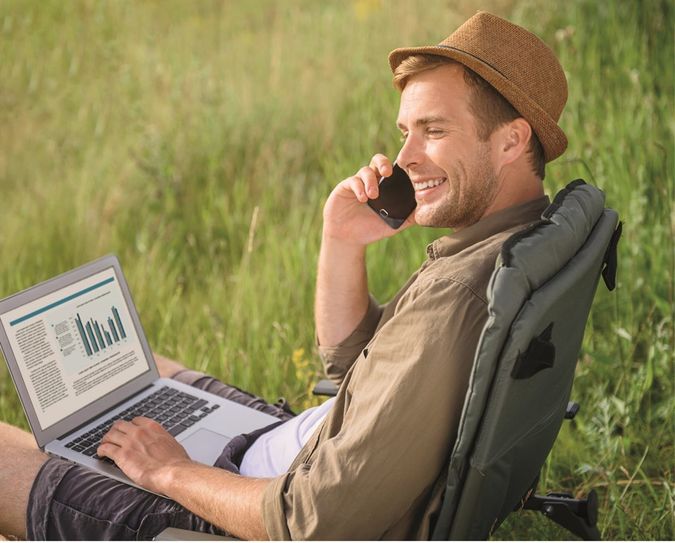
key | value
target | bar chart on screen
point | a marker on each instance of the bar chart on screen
(93, 326)
(94, 335)
(91, 333)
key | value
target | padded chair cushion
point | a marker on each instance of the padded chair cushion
(545, 247)
(546, 275)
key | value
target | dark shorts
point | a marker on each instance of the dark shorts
(70, 502)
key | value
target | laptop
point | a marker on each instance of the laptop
(79, 359)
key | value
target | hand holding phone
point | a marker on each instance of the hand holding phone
(396, 200)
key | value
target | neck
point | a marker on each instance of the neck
(514, 188)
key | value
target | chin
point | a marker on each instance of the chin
(428, 219)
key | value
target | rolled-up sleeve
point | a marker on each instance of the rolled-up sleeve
(339, 358)
(405, 399)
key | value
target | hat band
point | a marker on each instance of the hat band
(474, 56)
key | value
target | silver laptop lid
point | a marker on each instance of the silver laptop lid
(75, 347)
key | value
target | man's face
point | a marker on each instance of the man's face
(450, 167)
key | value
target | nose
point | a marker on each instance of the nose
(411, 154)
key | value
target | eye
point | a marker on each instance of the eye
(434, 131)
(403, 137)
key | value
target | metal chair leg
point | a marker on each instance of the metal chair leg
(578, 516)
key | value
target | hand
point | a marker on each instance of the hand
(346, 215)
(144, 451)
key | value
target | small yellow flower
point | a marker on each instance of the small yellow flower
(305, 374)
(298, 355)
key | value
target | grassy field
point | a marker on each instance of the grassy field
(199, 140)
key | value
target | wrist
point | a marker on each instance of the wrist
(170, 476)
(330, 240)
(338, 255)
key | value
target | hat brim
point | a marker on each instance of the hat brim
(551, 136)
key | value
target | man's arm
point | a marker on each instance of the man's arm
(341, 290)
(349, 227)
(153, 459)
(231, 502)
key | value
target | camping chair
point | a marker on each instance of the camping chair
(539, 298)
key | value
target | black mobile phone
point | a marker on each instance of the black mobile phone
(396, 200)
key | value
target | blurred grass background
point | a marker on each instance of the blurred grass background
(199, 140)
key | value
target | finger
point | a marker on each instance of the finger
(357, 187)
(108, 449)
(370, 180)
(148, 423)
(382, 165)
(142, 421)
(113, 436)
(122, 426)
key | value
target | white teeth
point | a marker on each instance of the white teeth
(428, 184)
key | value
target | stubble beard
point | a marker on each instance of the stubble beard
(461, 209)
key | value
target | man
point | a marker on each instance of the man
(478, 118)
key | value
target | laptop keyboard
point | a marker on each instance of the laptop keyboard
(176, 411)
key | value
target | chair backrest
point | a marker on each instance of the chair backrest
(539, 296)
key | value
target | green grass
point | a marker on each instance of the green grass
(198, 141)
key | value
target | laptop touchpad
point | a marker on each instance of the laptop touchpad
(205, 446)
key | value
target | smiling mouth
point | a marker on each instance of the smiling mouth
(432, 183)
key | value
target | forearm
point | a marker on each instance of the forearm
(231, 502)
(341, 290)
(349, 226)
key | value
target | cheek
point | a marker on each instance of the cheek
(439, 152)
(445, 154)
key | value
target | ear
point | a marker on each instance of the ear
(514, 138)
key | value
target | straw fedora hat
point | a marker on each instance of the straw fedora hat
(516, 63)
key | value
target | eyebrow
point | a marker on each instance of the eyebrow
(423, 121)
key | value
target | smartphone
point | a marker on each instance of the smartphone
(396, 200)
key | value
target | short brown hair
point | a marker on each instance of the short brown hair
(490, 109)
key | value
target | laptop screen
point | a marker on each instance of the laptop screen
(74, 346)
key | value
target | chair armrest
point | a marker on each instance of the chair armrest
(178, 534)
(325, 387)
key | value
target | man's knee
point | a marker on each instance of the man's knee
(20, 462)
(11, 435)
(167, 367)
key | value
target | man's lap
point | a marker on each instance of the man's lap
(70, 502)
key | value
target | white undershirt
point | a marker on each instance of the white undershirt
(274, 451)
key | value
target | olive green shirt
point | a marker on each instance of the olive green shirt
(376, 467)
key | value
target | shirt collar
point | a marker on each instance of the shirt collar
(494, 223)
